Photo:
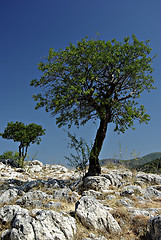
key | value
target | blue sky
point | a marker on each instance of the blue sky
(28, 28)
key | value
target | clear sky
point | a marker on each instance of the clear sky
(28, 28)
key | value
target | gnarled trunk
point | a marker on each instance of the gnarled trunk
(22, 154)
(94, 165)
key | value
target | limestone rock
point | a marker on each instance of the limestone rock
(42, 224)
(127, 192)
(97, 183)
(135, 188)
(148, 178)
(51, 205)
(93, 214)
(93, 193)
(152, 192)
(36, 163)
(151, 212)
(8, 196)
(29, 185)
(65, 194)
(53, 225)
(126, 202)
(34, 199)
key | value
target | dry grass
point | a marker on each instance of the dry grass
(83, 232)
(139, 224)
(132, 227)
(4, 226)
(154, 203)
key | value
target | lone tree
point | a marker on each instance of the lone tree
(96, 79)
(25, 134)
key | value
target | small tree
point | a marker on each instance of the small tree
(80, 160)
(9, 155)
(96, 80)
(25, 134)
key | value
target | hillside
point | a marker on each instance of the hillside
(132, 163)
(151, 167)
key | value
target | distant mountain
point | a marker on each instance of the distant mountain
(151, 167)
(104, 162)
(133, 163)
(142, 160)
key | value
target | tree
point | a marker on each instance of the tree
(96, 79)
(10, 158)
(9, 155)
(80, 160)
(25, 134)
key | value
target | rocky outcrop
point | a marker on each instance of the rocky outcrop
(98, 183)
(43, 202)
(94, 215)
(39, 224)
(8, 196)
(148, 178)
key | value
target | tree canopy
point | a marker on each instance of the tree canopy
(25, 134)
(96, 79)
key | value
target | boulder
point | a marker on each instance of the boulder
(152, 192)
(149, 212)
(8, 196)
(53, 225)
(8, 212)
(10, 162)
(127, 192)
(33, 199)
(42, 224)
(95, 215)
(36, 163)
(93, 193)
(30, 185)
(126, 202)
(65, 194)
(148, 178)
(55, 183)
(137, 189)
(97, 183)
(115, 179)
(51, 205)
(50, 183)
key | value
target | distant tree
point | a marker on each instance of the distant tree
(9, 155)
(10, 158)
(96, 79)
(25, 134)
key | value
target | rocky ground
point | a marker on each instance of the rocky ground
(50, 202)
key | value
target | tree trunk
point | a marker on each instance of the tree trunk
(94, 165)
(20, 154)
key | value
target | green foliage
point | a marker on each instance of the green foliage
(25, 134)
(80, 160)
(81, 82)
(9, 155)
(151, 167)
